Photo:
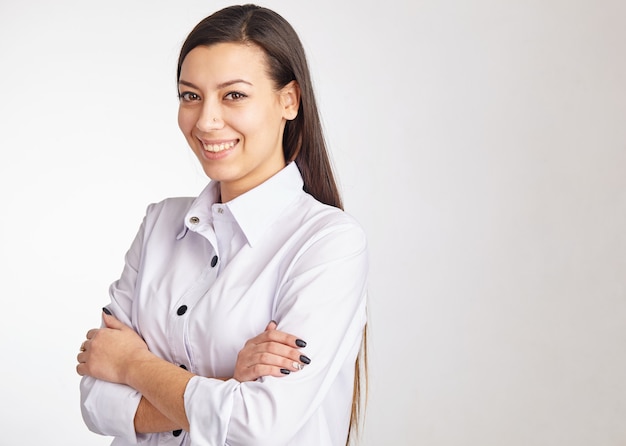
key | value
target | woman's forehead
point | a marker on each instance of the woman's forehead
(224, 61)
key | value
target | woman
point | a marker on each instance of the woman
(265, 248)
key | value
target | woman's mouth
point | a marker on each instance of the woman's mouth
(218, 147)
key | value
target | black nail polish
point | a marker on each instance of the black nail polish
(285, 371)
(300, 343)
(305, 359)
(107, 311)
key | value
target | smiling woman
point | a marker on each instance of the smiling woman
(232, 115)
(203, 340)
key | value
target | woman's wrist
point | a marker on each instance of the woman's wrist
(138, 367)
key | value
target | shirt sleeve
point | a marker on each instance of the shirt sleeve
(109, 408)
(322, 300)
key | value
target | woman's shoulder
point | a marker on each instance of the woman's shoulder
(170, 205)
(324, 219)
(168, 213)
(327, 213)
(322, 234)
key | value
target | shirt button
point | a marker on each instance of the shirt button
(220, 210)
(194, 220)
(176, 433)
(214, 261)
(181, 310)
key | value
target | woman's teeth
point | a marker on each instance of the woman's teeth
(218, 147)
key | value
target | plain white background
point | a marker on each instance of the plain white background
(482, 145)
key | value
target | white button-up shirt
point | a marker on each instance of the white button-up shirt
(202, 277)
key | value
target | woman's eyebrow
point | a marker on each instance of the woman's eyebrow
(220, 85)
(188, 84)
(234, 81)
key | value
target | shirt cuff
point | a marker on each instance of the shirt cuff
(213, 399)
(109, 408)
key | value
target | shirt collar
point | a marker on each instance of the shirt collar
(253, 211)
(256, 210)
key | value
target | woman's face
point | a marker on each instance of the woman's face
(232, 116)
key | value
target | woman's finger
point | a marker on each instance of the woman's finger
(265, 364)
(279, 336)
(271, 354)
(279, 349)
(271, 326)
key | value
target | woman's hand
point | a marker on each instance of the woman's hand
(107, 351)
(272, 353)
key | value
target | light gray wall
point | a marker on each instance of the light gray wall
(481, 144)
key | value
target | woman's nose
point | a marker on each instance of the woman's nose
(209, 119)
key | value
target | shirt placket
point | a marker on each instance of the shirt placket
(187, 304)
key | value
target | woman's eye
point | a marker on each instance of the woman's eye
(235, 95)
(188, 96)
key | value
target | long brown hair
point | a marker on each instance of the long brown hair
(303, 139)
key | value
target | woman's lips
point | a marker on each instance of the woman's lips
(216, 147)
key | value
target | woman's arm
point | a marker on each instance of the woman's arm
(108, 408)
(149, 420)
(270, 353)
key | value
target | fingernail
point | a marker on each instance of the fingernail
(285, 371)
(305, 359)
(300, 343)
(107, 311)
(274, 322)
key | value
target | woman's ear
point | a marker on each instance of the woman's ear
(290, 100)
